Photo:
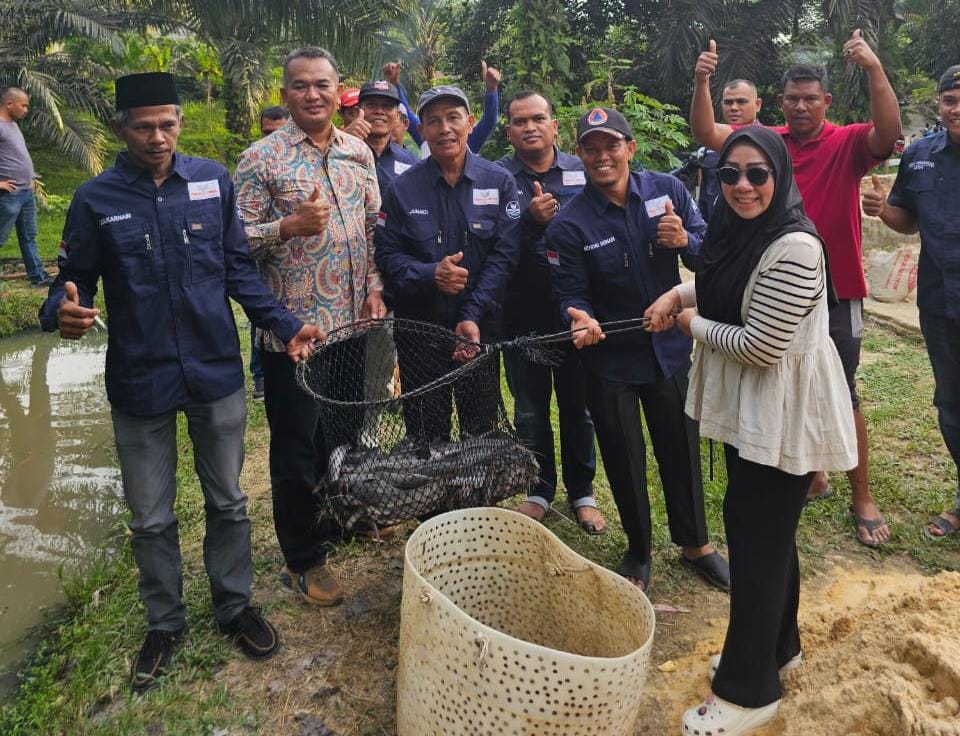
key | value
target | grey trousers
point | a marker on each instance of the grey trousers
(147, 450)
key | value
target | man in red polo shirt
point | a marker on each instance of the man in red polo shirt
(828, 163)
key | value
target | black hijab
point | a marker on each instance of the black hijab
(733, 246)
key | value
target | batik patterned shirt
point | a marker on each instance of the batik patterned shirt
(323, 278)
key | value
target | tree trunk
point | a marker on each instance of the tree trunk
(237, 117)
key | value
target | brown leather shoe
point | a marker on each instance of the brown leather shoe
(380, 534)
(316, 586)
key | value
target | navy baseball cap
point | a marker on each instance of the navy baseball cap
(606, 120)
(441, 92)
(949, 79)
(379, 88)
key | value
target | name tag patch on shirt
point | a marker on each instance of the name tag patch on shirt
(399, 167)
(203, 189)
(599, 244)
(110, 219)
(574, 178)
(486, 196)
(921, 165)
(657, 207)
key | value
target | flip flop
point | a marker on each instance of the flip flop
(590, 525)
(822, 496)
(712, 568)
(631, 567)
(870, 525)
(943, 525)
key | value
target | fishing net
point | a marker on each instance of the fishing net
(410, 431)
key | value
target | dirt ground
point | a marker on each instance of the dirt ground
(881, 651)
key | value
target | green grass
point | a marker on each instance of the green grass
(78, 683)
(19, 303)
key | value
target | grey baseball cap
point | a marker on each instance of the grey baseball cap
(440, 92)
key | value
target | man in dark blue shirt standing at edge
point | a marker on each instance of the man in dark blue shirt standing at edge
(161, 229)
(546, 180)
(925, 197)
(613, 249)
(446, 242)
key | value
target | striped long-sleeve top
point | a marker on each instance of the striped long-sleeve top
(774, 387)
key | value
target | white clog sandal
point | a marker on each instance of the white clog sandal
(719, 717)
(791, 664)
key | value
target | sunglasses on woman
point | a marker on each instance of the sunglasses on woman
(756, 175)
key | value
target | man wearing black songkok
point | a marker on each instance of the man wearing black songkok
(161, 230)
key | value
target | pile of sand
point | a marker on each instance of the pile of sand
(881, 658)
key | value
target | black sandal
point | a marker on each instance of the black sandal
(631, 567)
(712, 568)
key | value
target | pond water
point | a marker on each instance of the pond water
(60, 490)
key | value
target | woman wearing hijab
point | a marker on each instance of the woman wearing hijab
(767, 382)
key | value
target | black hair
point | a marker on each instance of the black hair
(308, 52)
(523, 95)
(735, 82)
(805, 73)
(277, 112)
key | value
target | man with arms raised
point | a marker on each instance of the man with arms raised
(614, 248)
(308, 196)
(161, 229)
(546, 179)
(828, 163)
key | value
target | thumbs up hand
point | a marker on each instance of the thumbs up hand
(490, 76)
(543, 206)
(74, 321)
(309, 218)
(857, 51)
(359, 127)
(874, 200)
(706, 63)
(670, 230)
(449, 277)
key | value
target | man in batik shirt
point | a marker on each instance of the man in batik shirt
(309, 199)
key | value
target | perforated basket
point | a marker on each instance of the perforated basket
(506, 631)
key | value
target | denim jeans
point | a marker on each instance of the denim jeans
(20, 208)
(943, 346)
(532, 386)
(255, 370)
(147, 451)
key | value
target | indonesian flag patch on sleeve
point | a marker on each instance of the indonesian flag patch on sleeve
(63, 250)
(382, 219)
(553, 258)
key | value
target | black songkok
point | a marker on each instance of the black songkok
(146, 90)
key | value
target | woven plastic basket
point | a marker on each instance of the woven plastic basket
(506, 631)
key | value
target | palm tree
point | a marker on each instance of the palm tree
(67, 103)
(248, 34)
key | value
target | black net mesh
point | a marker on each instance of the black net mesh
(411, 431)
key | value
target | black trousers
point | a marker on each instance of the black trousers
(298, 459)
(761, 511)
(615, 408)
(427, 416)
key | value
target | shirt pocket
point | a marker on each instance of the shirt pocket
(423, 242)
(202, 233)
(134, 247)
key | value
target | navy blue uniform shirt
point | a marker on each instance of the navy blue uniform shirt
(606, 262)
(528, 307)
(423, 219)
(927, 185)
(169, 258)
(394, 160)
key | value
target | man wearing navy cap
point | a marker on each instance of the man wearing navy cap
(380, 104)
(925, 198)
(161, 229)
(614, 249)
(446, 242)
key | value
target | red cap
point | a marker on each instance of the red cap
(350, 97)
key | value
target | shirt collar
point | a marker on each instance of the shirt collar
(470, 168)
(601, 203)
(131, 172)
(296, 135)
(940, 141)
(515, 165)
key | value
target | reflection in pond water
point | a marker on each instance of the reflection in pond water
(59, 482)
